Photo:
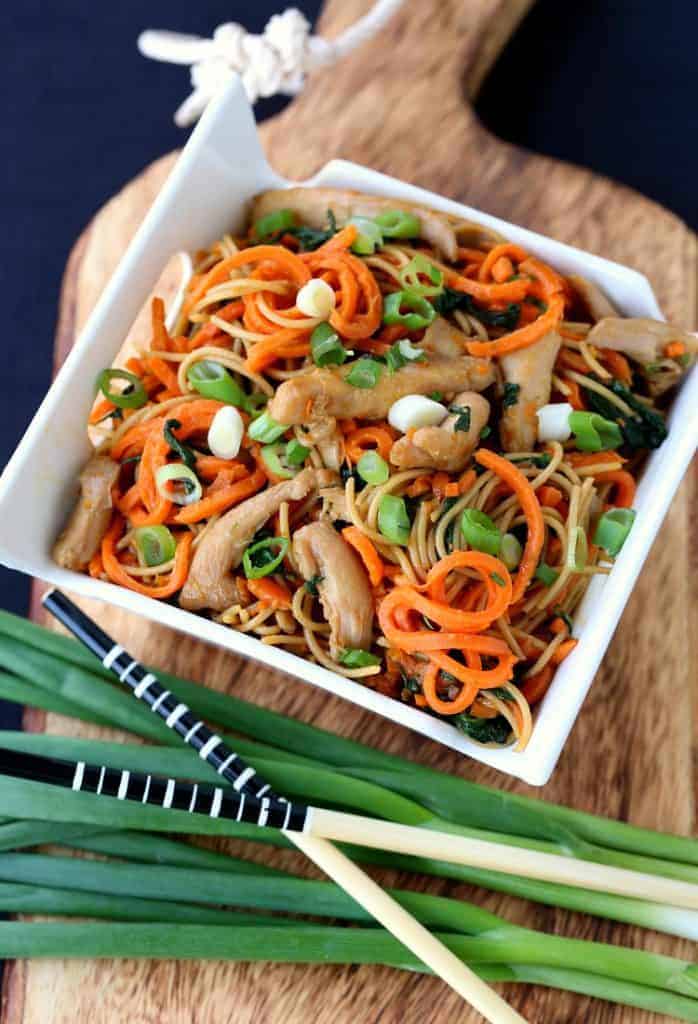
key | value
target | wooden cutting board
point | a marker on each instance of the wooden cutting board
(401, 105)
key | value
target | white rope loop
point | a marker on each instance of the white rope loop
(276, 61)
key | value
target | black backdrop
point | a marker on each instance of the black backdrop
(607, 83)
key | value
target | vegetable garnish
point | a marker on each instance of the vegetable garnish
(133, 396)
(593, 433)
(325, 346)
(264, 557)
(212, 380)
(365, 373)
(480, 532)
(155, 544)
(420, 313)
(266, 429)
(358, 659)
(187, 486)
(347, 374)
(613, 529)
(393, 519)
(398, 224)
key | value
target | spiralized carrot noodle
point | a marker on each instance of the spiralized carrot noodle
(407, 602)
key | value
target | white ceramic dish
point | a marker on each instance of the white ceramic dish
(221, 167)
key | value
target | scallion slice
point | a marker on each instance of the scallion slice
(325, 346)
(369, 236)
(593, 433)
(409, 276)
(264, 557)
(398, 224)
(577, 550)
(355, 658)
(420, 313)
(212, 380)
(132, 397)
(510, 550)
(274, 224)
(266, 429)
(613, 529)
(155, 544)
(372, 468)
(187, 487)
(393, 519)
(480, 532)
(271, 454)
(365, 373)
(546, 574)
(296, 453)
(402, 353)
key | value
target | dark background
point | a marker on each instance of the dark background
(607, 83)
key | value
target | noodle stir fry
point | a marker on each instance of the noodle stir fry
(386, 439)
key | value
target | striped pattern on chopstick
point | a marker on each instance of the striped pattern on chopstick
(177, 716)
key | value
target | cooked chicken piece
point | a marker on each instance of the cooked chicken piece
(311, 206)
(325, 435)
(532, 369)
(640, 338)
(596, 303)
(444, 447)
(90, 518)
(326, 393)
(345, 593)
(209, 584)
(441, 338)
(335, 504)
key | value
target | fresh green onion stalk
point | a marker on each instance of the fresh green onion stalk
(325, 347)
(264, 557)
(480, 532)
(212, 380)
(393, 519)
(133, 396)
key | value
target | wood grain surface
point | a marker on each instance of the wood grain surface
(401, 105)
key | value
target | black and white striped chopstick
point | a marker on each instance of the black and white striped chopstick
(153, 790)
(176, 715)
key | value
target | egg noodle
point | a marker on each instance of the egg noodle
(470, 529)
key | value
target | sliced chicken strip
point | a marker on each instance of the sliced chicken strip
(640, 338)
(443, 447)
(597, 304)
(324, 392)
(532, 370)
(344, 589)
(327, 438)
(311, 206)
(209, 584)
(90, 518)
(441, 338)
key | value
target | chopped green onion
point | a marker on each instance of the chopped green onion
(212, 380)
(185, 453)
(511, 395)
(325, 346)
(312, 584)
(369, 236)
(271, 454)
(577, 550)
(274, 224)
(354, 658)
(155, 544)
(485, 432)
(372, 468)
(546, 574)
(132, 397)
(296, 453)
(365, 373)
(421, 313)
(409, 277)
(393, 519)
(260, 559)
(436, 396)
(188, 488)
(402, 353)
(480, 532)
(510, 550)
(266, 429)
(593, 433)
(398, 224)
(613, 529)
(255, 402)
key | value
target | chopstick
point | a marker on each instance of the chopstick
(249, 799)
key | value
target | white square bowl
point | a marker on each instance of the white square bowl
(220, 169)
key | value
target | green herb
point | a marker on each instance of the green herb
(564, 616)
(185, 453)
(511, 395)
(264, 557)
(540, 461)
(497, 579)
(538, 303)
(133, 396)
(483, 730)
(365, 373)
(462, 412)
(311, 238)
(436, 396)
(311, 585)
(499, 691)
(451, 299)
(646, 429)
(410, 683)
(485, 432)
(354, 658)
